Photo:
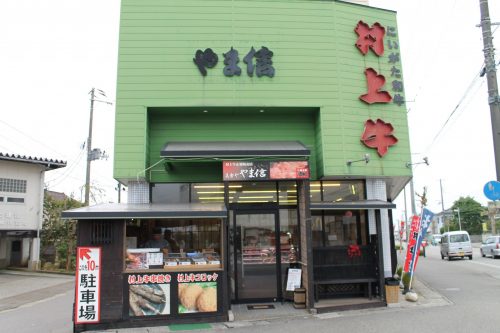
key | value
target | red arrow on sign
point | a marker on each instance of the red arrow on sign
(85, 253)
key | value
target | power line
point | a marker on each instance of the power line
(469, 88)
(31, 138)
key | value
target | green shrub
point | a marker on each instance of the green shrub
(399, 271)
(406, 280)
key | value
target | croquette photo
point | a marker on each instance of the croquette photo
(189, 296)
(207, 301)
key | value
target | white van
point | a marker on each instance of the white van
(456, 244)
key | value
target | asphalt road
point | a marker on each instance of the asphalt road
(471, 286)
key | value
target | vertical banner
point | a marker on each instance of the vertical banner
(88, 285)
(427, 216)
(412, 242)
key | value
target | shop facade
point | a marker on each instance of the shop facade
(256, 137)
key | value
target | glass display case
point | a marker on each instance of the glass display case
(182, 245)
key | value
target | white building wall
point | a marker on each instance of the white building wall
(27, 215)
(376, 190)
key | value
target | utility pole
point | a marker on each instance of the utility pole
(491, 75)
(89, 149)
(96, 153)
(407, 229)
(442, 204)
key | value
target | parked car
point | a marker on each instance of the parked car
(436, 239)
(456, 244)
(491, 247)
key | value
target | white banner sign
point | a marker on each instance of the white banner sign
(88, 285)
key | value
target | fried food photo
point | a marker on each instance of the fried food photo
(189, 296)
(207, 301)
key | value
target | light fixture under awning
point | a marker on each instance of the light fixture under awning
(136, 211)
(361, 204)
(235, 149)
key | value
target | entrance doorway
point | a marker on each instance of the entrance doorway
(16, 253)
(255, 256)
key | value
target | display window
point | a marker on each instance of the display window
(336, 191)
(339, 228)
(173, 245)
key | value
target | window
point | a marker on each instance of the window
(101, 233)
(459, 238)
(287, 193)
(339, 228)
(317, 229)
(15, 200)
(13, 185)
(336, 191)
(248, 192)
(171, 243)
(170, 193)
(207, 192)
(289, 237)
(1, 199)
(315, 190)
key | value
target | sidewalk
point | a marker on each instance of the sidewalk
(427, 297)
(18, 287)
(22, 287)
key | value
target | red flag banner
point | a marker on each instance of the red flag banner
(412, 243)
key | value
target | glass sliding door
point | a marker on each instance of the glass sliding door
(255, 247)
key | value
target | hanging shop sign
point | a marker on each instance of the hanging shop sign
(264, 170)
(88, 285)
(263, 65)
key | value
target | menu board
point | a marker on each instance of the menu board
(294, 279)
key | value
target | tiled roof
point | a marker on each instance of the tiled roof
(49, 163)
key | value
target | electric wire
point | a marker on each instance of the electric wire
(31, 138)
(469, 88)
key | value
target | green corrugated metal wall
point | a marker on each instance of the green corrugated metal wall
(225, 125)
(316, 62)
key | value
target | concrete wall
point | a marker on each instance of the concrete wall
(27, 215)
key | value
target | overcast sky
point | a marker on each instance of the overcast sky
(53, 52)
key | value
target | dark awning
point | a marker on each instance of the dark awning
(136, 211)
(361, 204)
(232, 149)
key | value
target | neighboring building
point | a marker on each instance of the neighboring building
(440, 220)
(21, 208)
(265, 135)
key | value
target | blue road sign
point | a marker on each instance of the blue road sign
(492, 190)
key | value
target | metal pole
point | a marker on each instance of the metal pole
(442, 202)
(406, 216)
(89, 148)
(459, 222)
(491, 75)
(119, 192)
(412, 196)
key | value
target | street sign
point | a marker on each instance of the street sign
(88, 285)
(492, 190)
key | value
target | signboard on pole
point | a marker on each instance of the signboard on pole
(88, 285)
